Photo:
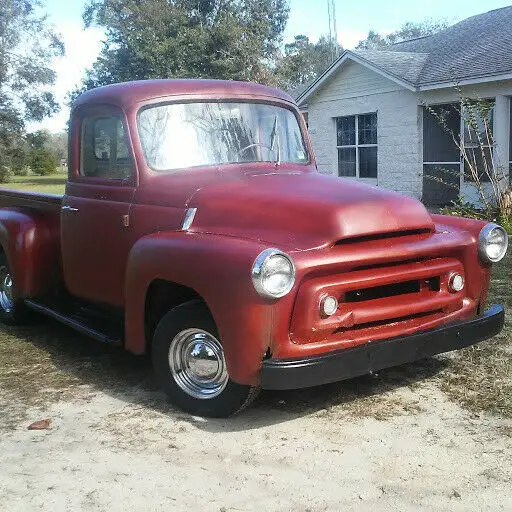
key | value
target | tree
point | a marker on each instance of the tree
(230, 39)
(373, 41)
(302, 60)
(409, 30)
(58, 143)
(20, 153)
(38, 139)
(42, 161)
(27, 46)
(43, 156)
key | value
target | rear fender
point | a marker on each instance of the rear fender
(219, 270)
(31, 242)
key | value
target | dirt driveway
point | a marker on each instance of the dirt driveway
(435, 435)
(391, 442)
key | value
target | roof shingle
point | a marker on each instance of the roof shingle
(475, 47)
(405, 65)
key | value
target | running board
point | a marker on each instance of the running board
(75, 324)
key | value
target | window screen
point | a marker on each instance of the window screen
(510, 146)
(441, 131)
(478, 140)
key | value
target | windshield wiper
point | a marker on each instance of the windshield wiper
(274, 139)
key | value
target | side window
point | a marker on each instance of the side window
(104, 152)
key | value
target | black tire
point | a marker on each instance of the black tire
(194, 317)
(12, 311)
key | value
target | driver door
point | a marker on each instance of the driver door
(94, 221)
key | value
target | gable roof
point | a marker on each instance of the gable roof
(405, 65)
(474, 49)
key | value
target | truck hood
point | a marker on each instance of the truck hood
(303, 210)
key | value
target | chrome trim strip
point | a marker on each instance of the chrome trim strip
(67, 208)
(189, 218)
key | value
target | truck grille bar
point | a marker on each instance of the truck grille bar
(374, 298)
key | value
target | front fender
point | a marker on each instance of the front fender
(31, 242)
(478, 274)
(218, 268)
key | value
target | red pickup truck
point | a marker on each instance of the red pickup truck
(195, 227)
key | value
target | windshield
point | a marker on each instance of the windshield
(177, 136)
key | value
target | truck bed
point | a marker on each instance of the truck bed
(33, 200)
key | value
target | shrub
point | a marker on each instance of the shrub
(459, 208)
(21, 171)
(5, 174)
(506, 222)
(43, 161)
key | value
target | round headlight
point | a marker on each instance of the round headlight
(492, 243)
(273, 273)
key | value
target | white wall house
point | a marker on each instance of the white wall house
(389, 118)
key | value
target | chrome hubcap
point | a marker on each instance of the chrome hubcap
(6, 298)
(197, 363)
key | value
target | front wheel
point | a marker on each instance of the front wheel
(189, 363)
(12, 311)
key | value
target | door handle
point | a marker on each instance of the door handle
(69, 209)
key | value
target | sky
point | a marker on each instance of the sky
(309, 17)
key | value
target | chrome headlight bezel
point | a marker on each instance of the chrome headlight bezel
(483, 243)
(258, 273)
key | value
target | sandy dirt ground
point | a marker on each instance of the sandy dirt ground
(390, 442)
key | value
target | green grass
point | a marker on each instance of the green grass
(480, 377)
(53, 184)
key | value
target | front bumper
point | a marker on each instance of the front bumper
(372, 356)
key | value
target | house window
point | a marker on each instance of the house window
(357, 145)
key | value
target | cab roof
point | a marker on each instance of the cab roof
(127, 94)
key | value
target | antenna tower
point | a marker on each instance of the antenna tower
(333, 29)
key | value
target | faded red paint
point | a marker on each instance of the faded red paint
(337, 231)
